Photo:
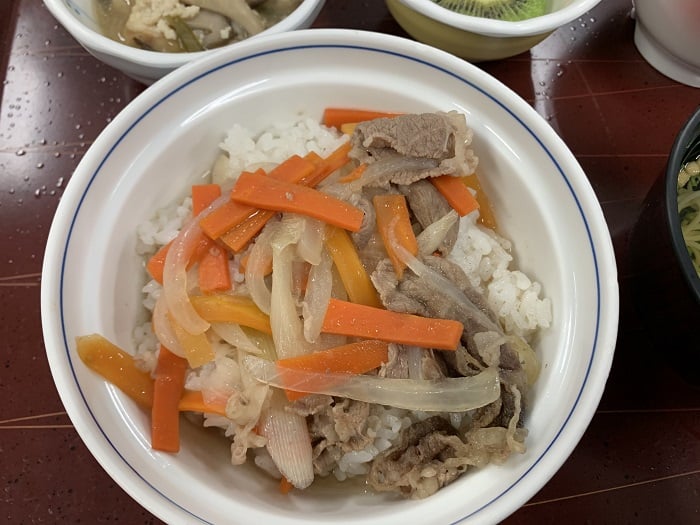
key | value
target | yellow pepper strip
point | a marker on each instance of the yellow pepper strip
(225, 308)
(116, 366)
(352, 273)
(486, 215)
(198, 350)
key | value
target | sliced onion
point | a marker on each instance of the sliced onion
(234, 335)
(289, 445)
(310, 243)
(414, 359)
(287, 328)
(175, 273)
(318, 293)
(450, 394)
(259, 257)
(431, 237)
(441, 284)
(163, 329)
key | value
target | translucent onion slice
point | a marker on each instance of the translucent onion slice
(259, 258)
(451, 394)
(318, 292)
(431, 237)
(310, 243)
(441, 284)
(175, 273)
(163, 330)
(289, 445)
(234, 335)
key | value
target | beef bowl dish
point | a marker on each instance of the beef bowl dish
(287, 287)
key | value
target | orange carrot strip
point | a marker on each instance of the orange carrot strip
(486, 214)
(394, 225)
(193, 401)
(119, 368)
(294, 169)
(224, 308)
(358, 320)
(197, 348)
(238, 237)
(335, 160)
(336, 117)
(156, 263)
(167, 391)
(203, 195)
(286, 486)
(353, 358)
(116, 366)
(456, 193)
(214, 272)
(267, 193)
(352, 272)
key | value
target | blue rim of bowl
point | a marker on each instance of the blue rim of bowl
(293, 48)
(689, 134)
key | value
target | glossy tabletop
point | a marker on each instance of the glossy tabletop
(638, 462)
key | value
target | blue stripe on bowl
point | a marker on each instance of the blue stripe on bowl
(291, 49)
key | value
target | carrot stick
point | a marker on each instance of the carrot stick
(213, 271)
(167, 391)
(357, 320)
(116, 366)
(119, 368)
(353, 358)
(394, 225)
(267, 193)
(352, 272)
(456, 193)
(193, 401)
(238, 237)
(156, 262)
(203, 195)
(486, 215)
(285, 486)
(336, 117)
(293, 169)
(224, 308)
(334, 161)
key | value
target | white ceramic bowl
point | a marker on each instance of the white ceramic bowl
(77, 17)
(479, 39)
(667, 34)
(146, 159)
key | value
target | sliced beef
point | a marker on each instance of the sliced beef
(425, 459)
(428, 206)
(442, 137)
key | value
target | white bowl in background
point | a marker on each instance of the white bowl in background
(667, 34)
(479, 39)
(77, 17)
(147, 157)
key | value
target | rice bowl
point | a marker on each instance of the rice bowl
(183, 118)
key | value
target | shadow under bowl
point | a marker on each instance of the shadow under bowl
(667, 286)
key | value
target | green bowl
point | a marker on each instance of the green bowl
(469, 45)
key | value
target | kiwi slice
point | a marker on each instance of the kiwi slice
(510, 10)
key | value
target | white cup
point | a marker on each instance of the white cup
(667, 34)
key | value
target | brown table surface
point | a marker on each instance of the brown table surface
(638, 462)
